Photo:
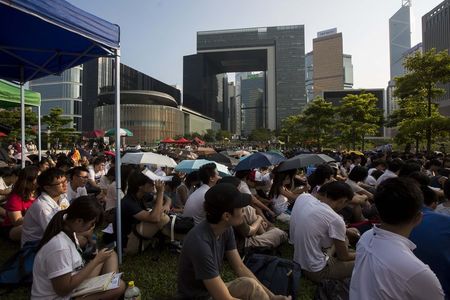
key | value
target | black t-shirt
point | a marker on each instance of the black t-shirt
(201, 259)
(130, 206)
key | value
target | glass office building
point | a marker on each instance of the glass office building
(63, 91)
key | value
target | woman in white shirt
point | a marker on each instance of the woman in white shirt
(58, 267)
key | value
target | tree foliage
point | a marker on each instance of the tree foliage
(12, 118)
(261, 135)
(425, 72)
(57, 125)
(358, 117)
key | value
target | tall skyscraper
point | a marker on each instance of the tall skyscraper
(63, 91)
(253, 101)
(436, 34)
(399, 38)
(327, 67)
(278, 51)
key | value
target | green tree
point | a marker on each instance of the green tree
(261, 135)
(209, 136)
(425, 72)
(291, 130)
(11, 117)
(59, 132)
(223, 134)
(358, 116)
(318, 122)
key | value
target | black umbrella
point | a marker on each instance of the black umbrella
(304, 160)
(221, 158)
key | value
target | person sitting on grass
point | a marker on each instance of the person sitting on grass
(319, 234)
(58, 267)
(206, 245)
(137, 220)
(8, 176)
(76, 187)
(386, 267)
(19, 202)
(53, 186)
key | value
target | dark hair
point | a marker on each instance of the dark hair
(435, 162)
(47, 177)
(231, 180)
(191, 178)
(408, 168)
(242, 174)
(358, 174)
(43, 161)
(64, 162)
(398, 200)
(420, 178)
(336, 190)
(174, 183)
(395, 165)
(25, 184)
(206, 172)
(76, 171)
(135, 180)
(125, 170)
(7, 172)
(379, 162)
(429, 196)
(322, 173)
(277, 184)
(99, 160)
(86, 208)
(376, 174)
(446, 189)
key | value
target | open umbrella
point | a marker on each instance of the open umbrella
(182, 141)
(205, 151)
(258, 160)
(222, 159)
(96, 133)
(3, 134)
(168, 141)
(304, 160)
(148, 158)
(123, 132)
(189, 166)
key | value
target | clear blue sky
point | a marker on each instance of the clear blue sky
(155, 35)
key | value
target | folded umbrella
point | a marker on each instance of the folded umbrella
(258, 160)
(304, 160)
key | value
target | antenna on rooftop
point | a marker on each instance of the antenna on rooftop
(406, 3)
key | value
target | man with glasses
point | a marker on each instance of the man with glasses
(79, 177)
(53, 185)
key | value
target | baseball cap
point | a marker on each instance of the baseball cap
(225, 196)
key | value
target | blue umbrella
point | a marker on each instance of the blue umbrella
(189, 166)
(258, 160)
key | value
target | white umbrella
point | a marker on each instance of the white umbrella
(148, 158)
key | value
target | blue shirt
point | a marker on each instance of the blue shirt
(432, 238)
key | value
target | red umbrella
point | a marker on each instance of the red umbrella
(168, 141)
(96, 133)
(199, 141)
(182, 141)
(2, 134)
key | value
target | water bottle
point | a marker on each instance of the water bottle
(132, 292)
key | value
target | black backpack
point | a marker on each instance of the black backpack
(281, 276)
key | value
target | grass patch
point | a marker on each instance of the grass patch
(154, 273)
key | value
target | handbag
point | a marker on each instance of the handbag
(179, 224)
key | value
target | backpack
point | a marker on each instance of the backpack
(281, 276)
(18, 269)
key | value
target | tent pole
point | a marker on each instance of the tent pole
(22, 115)
(39, 133)
(118, 164)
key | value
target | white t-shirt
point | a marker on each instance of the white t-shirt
(244, 188)
(313, 227)
(3, 186)
(56, 258)
(280, 204)
(443, 209)
(71, 194)
(355, 187)
(95, 176)
(386, 268)
(110, 198)
(194, 204)
(386, 175)
(39, 215)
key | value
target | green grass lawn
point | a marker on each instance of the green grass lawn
(154, 273)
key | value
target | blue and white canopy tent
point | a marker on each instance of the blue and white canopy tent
(46, 37)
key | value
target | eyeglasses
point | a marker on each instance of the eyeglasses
(64, 182)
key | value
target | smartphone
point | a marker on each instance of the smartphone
(110, 246)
